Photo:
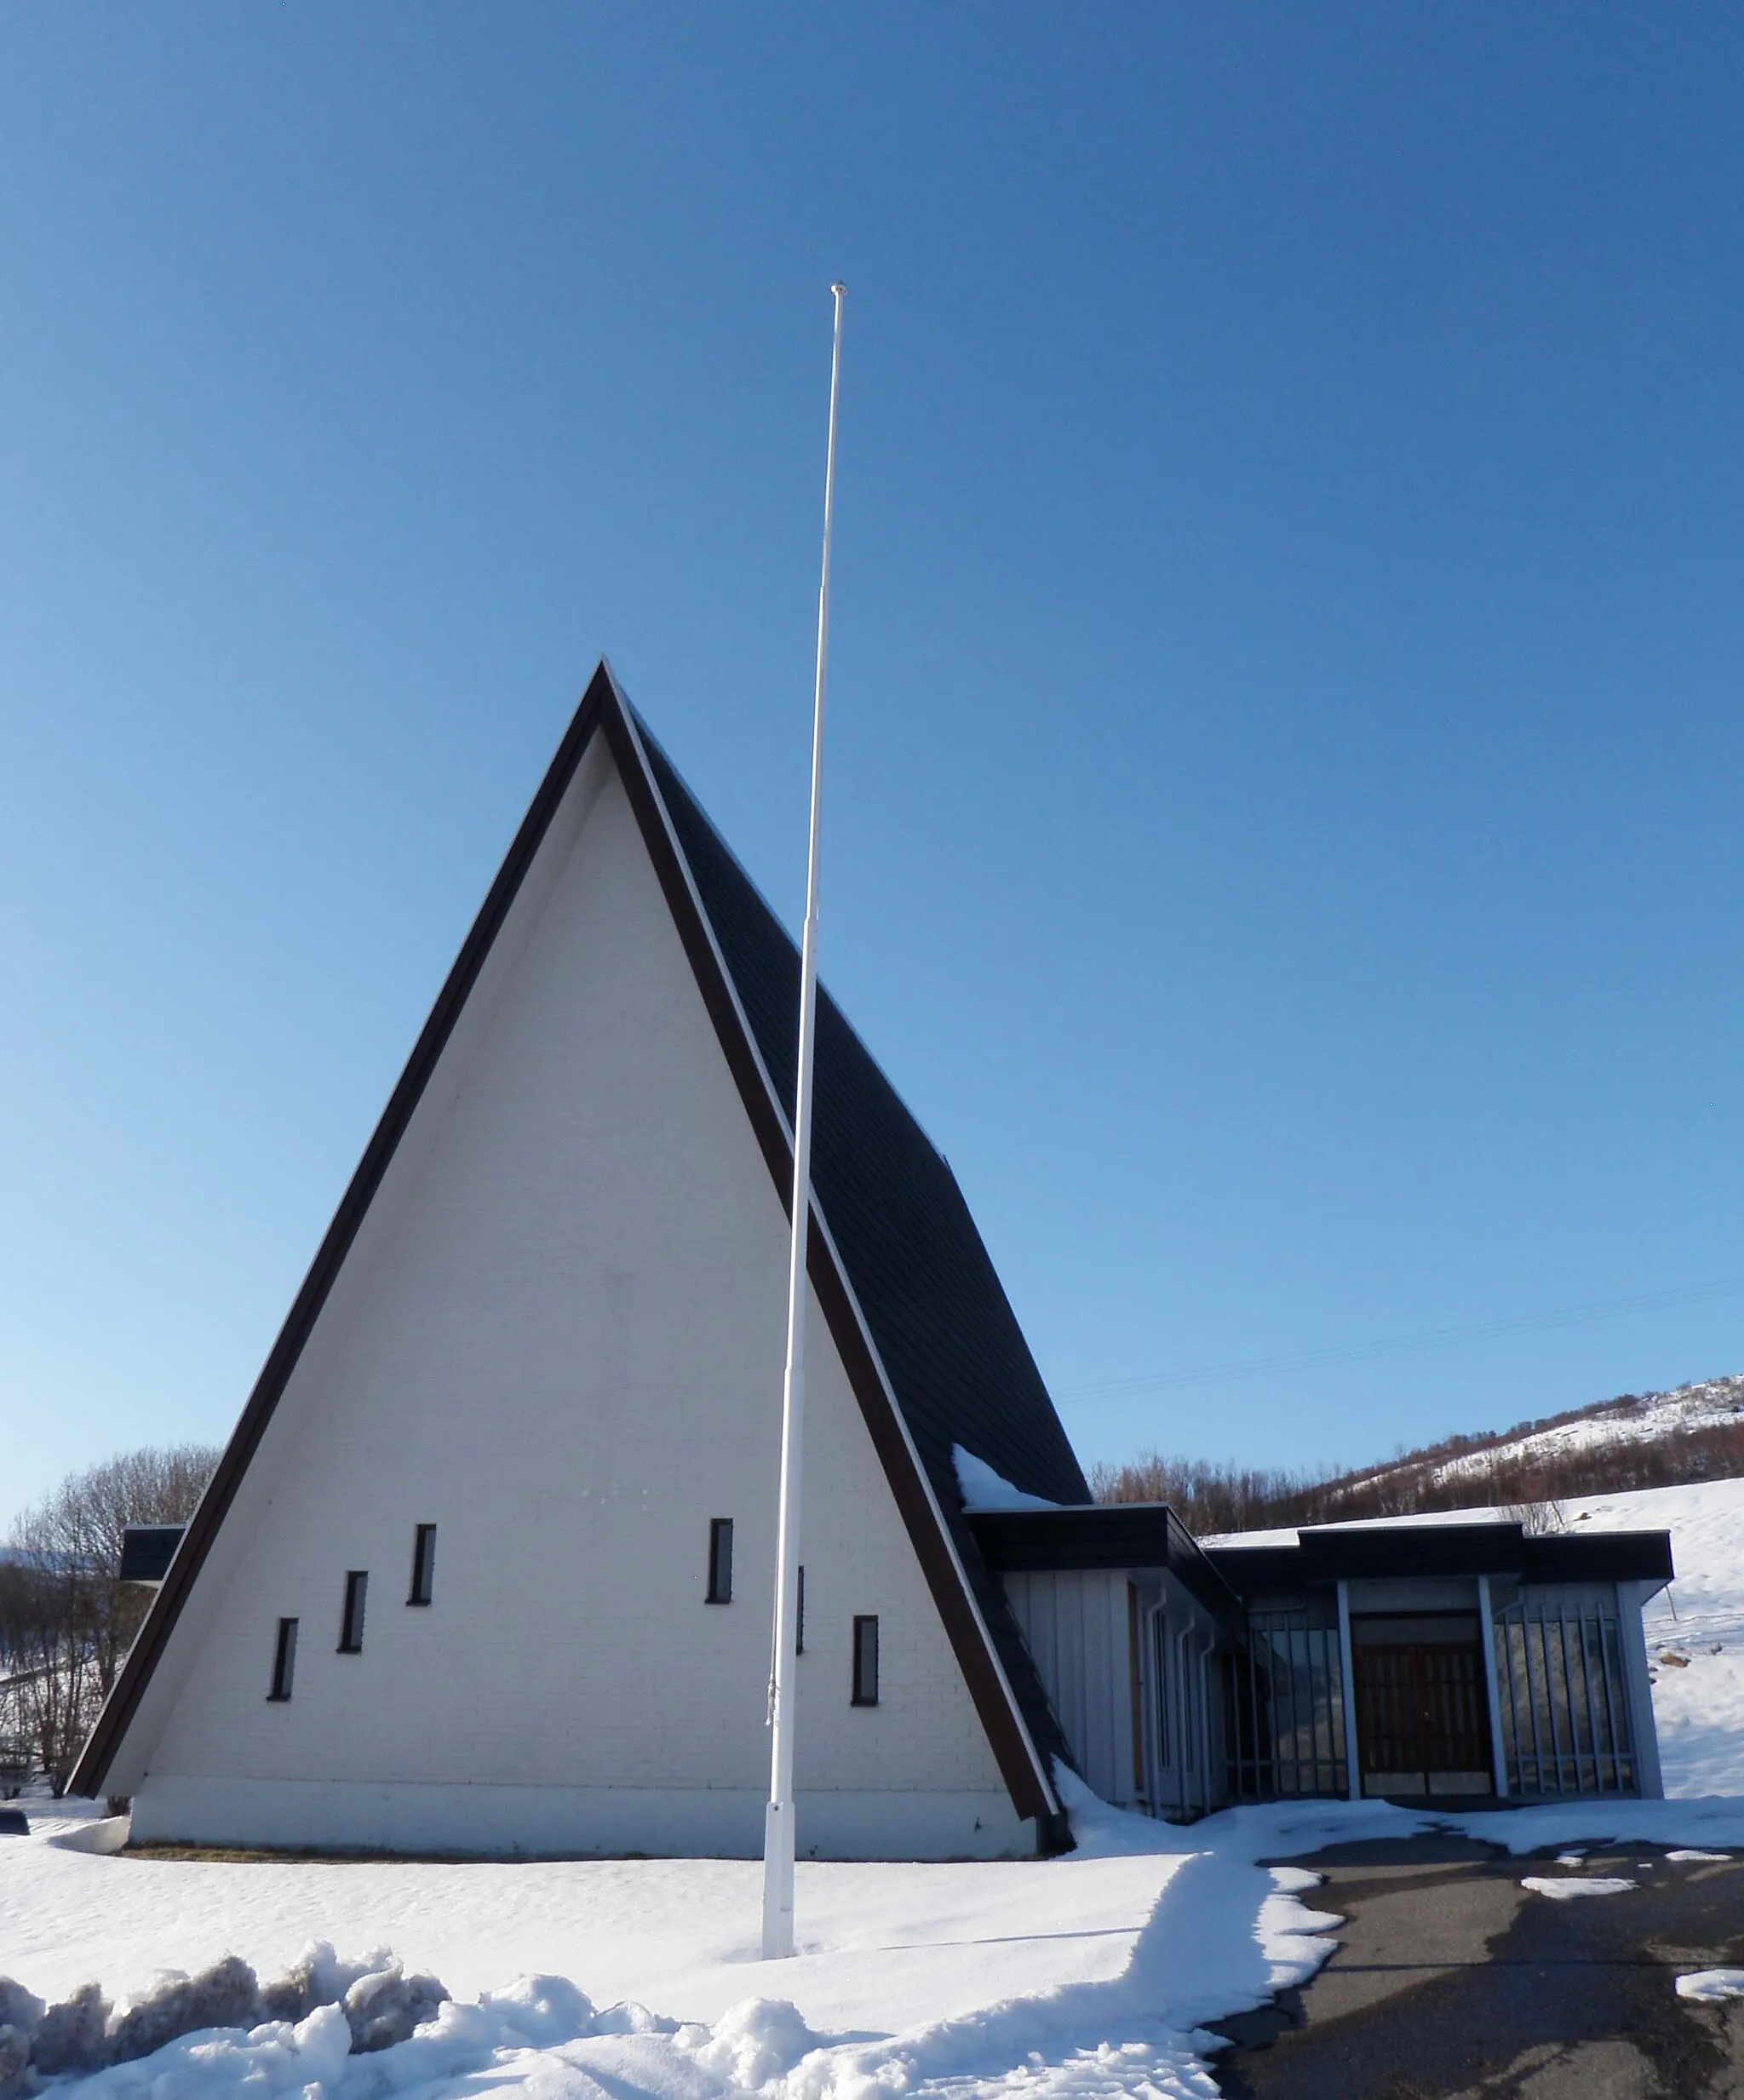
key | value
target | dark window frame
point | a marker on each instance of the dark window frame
(865, 1659)
(283, 1663)
(799, 1613)
(424, 1582)
(719, 1590)
(351, 1617)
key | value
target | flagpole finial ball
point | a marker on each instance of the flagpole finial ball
(840, 290)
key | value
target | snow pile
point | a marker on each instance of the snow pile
(370, 2004)
(542, 2025)
(984, 1489)
(1708, 1986)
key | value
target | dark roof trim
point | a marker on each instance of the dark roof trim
(123, 1703)
(604, 706)
(996, 1703)
(1338, 1553)
(1107, 1535)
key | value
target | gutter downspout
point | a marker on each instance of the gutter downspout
(1210, 1640)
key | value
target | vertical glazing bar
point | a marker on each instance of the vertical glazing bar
(1353, 1776)
(1533, 1683)
(1283, 1705)
(1610, 1703)
(1556, 1741)
(1486, 1626)
(1205, 1722)
(1549, 1760)
(1592, 1713)
(1320, 1721)
(1252, 1738)
(1604, 1753)
(1512, 1747)
(1247, 1717)
(1574, 1751)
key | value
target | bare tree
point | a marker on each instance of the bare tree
(1539, 1520)
(66, 1620)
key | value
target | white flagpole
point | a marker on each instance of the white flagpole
(779, 1816)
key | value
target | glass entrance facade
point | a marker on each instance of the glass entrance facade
(1286, 1705)
(1562, 1695)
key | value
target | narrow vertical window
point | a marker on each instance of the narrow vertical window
(720, 1560)
(865, 1662)
(351, 1622)
(799, 1615)
(423, 1565)
(283, 1660)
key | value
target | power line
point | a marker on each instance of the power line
(1401, 1345)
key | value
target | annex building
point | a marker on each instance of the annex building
(487, 1564)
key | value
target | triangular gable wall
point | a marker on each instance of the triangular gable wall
(954, 1577)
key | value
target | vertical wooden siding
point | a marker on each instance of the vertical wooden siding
(1076, 1623)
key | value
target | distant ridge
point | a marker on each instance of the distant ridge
(1636, 1441)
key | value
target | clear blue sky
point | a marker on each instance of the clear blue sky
(1283, 815)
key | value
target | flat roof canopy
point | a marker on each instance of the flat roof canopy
(1335, 1552)
(1149, 1535)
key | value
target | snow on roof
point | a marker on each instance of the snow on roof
(1290, 1534)
(984, 1489)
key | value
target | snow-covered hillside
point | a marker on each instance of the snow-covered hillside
(1695, 1628)
(1647, 1418)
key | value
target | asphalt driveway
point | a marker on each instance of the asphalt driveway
(1451, 1981)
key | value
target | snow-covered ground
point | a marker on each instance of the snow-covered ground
(1099, 1975)
(1104, 1973)
(1093, 1974)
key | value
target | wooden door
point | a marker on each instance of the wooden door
(1420, 1715)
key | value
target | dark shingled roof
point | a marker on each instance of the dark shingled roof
(942, 1324)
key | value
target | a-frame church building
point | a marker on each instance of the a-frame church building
(487, 1566)
(488, 1563)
